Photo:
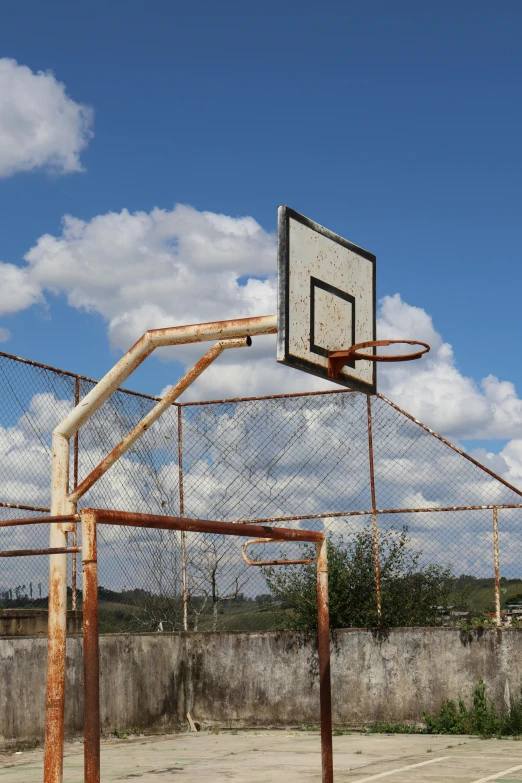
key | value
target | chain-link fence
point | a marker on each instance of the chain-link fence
(380, 483)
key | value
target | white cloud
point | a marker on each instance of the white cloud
(148, 270)
(17, 289)
(40, 126)
(507, 463)
(167, 267)
(5, 335)
(434, 390)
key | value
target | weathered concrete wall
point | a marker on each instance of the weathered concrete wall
(271, 678)
(150, 681)
(141, 684)
(33, 622)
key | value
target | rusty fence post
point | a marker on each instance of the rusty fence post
(75, 484)
(497, 568)
(91, 655)
(182, 514)
(323, 645)
(376, 562)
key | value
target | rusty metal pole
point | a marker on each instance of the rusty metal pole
(376, 562)
(57, 615)
(497, 568)
(75, 484)
(323, 646)
(182, 514)
(91, 655)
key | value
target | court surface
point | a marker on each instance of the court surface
(284, 757)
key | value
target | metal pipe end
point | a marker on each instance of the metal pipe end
(235, 342)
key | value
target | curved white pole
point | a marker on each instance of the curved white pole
(60, 504)
(156, 338)
(153, 415)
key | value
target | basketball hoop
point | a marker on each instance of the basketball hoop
(338, 359)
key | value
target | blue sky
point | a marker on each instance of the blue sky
(397, 125)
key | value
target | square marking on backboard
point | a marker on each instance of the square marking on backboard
(332, 318)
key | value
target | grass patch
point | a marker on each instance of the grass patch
(455, 717)
(480, 718)
(394, 728)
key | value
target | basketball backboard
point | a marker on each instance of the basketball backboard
(326, 300)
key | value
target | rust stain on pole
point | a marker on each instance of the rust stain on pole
(57, 614)
(376, 562)
(182, 514)
(91, 657)
(497, 569)
(54, 718)
(75, 484)
(323, 646)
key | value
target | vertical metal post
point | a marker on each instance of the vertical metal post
(75, 484)
(323, 645)
(91, 656)
(497, 568)
(182, 514)
(377, 565)
(57, 616)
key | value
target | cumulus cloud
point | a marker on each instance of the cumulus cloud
(167, 267)
(40, 126)
(18, 290)
(149, 270)
(507, 463)
(435, 391)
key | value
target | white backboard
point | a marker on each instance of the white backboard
(326, 299)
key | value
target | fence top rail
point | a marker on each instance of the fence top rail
(57, 550)
(267, 397)
(24, 508)
(38, 520)
(158, 522)
(369, 512)
(126, 518)
(72, 374)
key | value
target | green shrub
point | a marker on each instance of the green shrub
(411, 595)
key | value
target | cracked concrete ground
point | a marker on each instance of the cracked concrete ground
(283, 757)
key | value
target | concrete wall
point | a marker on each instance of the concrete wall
(150, 681)
(33, 622)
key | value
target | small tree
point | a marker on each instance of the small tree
(213, 576)
(410, 595)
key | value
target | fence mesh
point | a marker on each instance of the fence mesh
(308, 461)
